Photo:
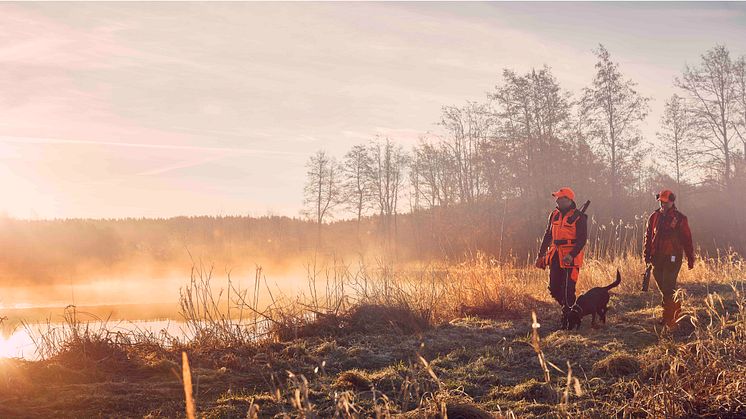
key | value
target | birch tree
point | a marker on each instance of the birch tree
(711, 86)
(387, 177)
(676, 136)
(614, 107)
(322, 189)
(356, 185)
(740, 124)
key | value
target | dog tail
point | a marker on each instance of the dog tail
(616, 282)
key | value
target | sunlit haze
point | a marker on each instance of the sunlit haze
(164, 109)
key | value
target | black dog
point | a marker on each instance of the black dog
(593, 302)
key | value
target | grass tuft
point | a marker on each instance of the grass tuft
(353, 380)
(618, 364)
(534, 390)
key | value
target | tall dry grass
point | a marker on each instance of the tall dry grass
(344, 297)
(699, 375)
(704, 376)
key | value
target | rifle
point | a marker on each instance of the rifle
(646, 278)
(577, 213)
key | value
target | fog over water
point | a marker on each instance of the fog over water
(130, 304)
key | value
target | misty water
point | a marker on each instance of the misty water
(115, 305)
(19, 341)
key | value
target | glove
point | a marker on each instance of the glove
(690, 263)
(540, 262)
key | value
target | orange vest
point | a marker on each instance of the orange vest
(564, 234)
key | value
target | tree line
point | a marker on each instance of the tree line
(506, 154)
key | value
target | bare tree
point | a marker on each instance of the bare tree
(357, 186)
(434, 170)
(740, 125)
(712, 88)
(387, 177)
(588, 165)
(322, 191)
(614, 108)
(676, 136)
(516, 128)
(532, 128)
(467, 130)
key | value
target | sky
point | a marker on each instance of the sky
(111, 110)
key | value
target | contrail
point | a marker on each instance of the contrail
(37, 140)
(181, 165)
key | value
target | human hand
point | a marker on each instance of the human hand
(540, 263)
(690, 264)
(567, 260)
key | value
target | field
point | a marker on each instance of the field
(380, 340)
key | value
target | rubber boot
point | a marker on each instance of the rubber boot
(671, 310)
(667, 313)
(675, 312)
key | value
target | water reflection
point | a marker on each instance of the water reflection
(126, 306)
(19, 341)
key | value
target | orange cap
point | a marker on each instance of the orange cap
(665, 196)
(564, 192)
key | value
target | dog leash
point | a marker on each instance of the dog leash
(567, 275)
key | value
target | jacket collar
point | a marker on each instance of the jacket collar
(669, 212)
(572, 207)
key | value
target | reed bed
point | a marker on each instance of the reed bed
(440, 340)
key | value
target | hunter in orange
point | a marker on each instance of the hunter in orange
(562, 248)
(667, 239)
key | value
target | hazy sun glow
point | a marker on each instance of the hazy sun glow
(124, 110)
(16, 345)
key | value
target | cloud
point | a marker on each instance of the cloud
(31, 39)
